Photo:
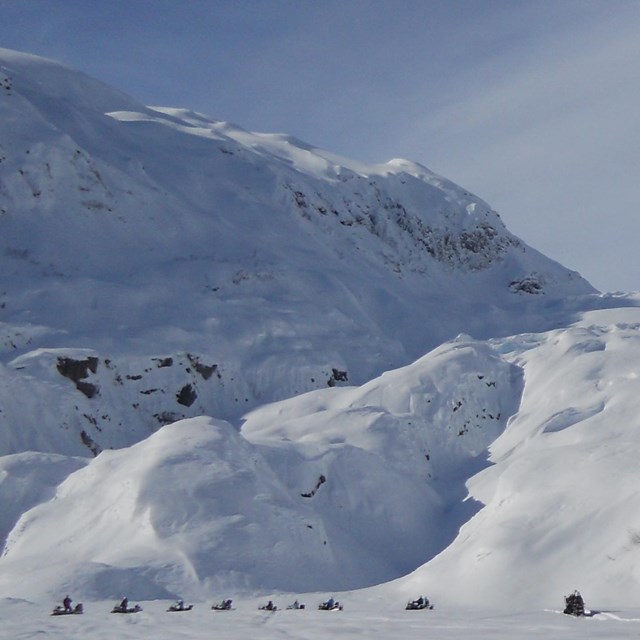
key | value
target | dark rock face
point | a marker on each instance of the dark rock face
(531, 284)
(186, 396)
(309, 494)
(77, 371)
(337, 376)
(89, 442)
(205, 370)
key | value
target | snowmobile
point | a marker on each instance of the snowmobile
(225, 605)
(179, 606)
(330, 605)
(574, 604)
(61, 611)
(296, 605)
(118, 608)
(268, 607)
(420, 603)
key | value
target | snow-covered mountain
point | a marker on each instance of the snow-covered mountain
(234, 361)
(155, 236)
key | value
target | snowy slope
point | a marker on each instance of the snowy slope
(141, 233)
(28, 479)
(562, 495)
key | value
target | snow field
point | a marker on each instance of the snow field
(361, 617)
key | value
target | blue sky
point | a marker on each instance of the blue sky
(532, 105)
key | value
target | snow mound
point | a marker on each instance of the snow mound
(336, 489)
(161, 516)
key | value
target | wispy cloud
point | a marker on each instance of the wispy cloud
(552, 141)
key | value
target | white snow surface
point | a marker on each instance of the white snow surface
(236, 365)
(561, 496)
(365, 615)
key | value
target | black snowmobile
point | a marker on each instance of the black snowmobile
(419, 603)
(330, 605)
(225, 605)
(61, 611)
(180, 606)
(268, 607)
(574, 604)
(118, 608)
